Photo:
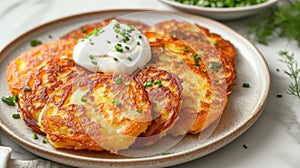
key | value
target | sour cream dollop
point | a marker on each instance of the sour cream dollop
(115, 48)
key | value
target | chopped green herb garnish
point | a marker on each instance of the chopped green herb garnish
(140, 37)
(197, 56)
(50, 36)
(117, 25)
(127, 48)
(94, 62)
(34, 43)
(139, 111)
(91, 42)
(158, 82)
(138, 43)
(118, 47)
(44, 141)
(196, 59)
(119, 81)
(166, 153)
(125, 33)
(204, 70)
(131, 28)
(98, 31)
(221, 3)
(108, 41)
(83, 99)
(91, 57)
(83, 31)
(116, 59)
(10, 100)
(35, 136)
(95, 33)
(129, 58)
(214, 66)
(116, 103)
(246, 85)
(148, 83)
(16, 116)
(186, 49)
(27, 89)
(126, 38)
(218, 64)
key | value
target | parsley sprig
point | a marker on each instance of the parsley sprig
(284, 21)
(293, 72)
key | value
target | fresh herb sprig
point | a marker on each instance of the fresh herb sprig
(293, 72)
(220, 3)
(284, 21)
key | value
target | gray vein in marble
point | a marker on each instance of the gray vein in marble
(289, 118)
(18, 152)
(38, 163)
(283, 112)
(291, 161)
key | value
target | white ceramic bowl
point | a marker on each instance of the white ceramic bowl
(223, 13)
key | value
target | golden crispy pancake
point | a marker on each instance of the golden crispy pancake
(96, 112)
(86, 29)
(204, 98)
(41, 83)
(18, 70)
(204, 43)
(164, 93)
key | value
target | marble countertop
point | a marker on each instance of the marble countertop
(272, 142)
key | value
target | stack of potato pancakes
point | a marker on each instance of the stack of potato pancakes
(183, 89)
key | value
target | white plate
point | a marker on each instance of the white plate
(223, 13)
(244, 106)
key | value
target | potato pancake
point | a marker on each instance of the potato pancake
(86, 29)
(96, 112)
(18, 70)
(205, 43)
(41, 83)
(164, 93)
(204, 92)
